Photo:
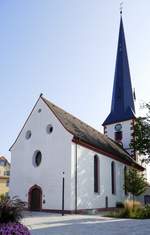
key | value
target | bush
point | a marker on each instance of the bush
(13, 229)
(10, 215)
(133, 211)
(130, 205)
(10, 210)
(145, 212)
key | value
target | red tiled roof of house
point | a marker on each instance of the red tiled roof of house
(4, 159)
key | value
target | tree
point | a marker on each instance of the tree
(135, 182)
(141, 142)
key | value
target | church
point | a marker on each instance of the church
(61, 163)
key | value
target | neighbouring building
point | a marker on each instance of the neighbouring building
(4, 176)
(56, 149)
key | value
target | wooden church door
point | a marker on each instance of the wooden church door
(35, 199)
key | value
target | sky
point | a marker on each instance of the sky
(66, 49)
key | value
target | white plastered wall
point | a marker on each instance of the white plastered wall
(127, 130)
(86, 198)
(56, 159)
(126, 133)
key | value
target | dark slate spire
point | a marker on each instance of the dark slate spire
(122, 106)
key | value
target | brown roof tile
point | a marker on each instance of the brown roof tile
(4, 159)
(90, 135)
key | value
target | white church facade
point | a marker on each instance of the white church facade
(59, 161)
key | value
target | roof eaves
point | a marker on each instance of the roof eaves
(129, 161)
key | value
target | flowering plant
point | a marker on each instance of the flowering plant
(10, 215)
(13, 229)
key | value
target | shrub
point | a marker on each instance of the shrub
(11, 210)
(145, 213)
(10, 215)
(13, 229)
(131, 205)
(130, 211)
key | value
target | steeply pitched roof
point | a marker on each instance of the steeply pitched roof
(122, 106)
(89, 135)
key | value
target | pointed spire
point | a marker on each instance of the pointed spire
(122, 106)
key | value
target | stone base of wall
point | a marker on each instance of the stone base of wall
(79, 211)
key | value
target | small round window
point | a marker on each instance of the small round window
(28, 134)
(49, 129)
(37, 158)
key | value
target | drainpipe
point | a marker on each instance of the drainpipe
(63, 194)
(76, 182)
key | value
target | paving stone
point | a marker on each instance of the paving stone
(54, 224)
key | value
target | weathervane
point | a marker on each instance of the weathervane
(121, 7)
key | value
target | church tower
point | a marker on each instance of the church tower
(119, 125)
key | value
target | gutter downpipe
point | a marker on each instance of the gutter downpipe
(76, 175)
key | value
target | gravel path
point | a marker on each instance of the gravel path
(52, 224)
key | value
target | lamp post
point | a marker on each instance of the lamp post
(63, 193)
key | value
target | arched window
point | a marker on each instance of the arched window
(125, 173)
(96, 174)
(118, 132)
(37, 158)
(113, 178)
(118, 136)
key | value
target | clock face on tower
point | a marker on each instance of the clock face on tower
(118, 127)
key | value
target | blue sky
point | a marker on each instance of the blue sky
(66, 49)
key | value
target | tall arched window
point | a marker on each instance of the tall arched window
(113, 178)
(125, 172)
(96, 174)
(118, 132)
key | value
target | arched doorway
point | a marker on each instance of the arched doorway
(35, 198)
